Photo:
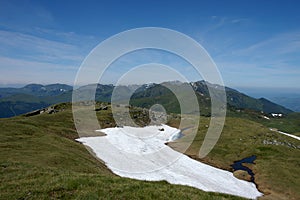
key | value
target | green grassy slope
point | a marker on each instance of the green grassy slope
(277, 168)
(39, 159)
(289, 123)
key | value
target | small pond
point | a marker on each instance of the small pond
(238, 165)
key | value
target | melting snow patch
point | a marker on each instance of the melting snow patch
(141, 153)
(287, 134)
(265, 117)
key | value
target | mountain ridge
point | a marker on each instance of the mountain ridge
(16, 101)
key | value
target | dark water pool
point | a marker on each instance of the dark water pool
(238, 165)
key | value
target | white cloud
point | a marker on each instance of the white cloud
(39, 49)
(272, 62)
(28, 58)
(278, 45)
(18, 71)
(243, 74)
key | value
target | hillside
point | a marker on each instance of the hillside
(239, 100)
(15, 101)
(40, 158)
(36, 90)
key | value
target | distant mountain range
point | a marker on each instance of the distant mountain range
(36, 90)
(16, 101)
(235, 100)
(292, 103)
(287, 97)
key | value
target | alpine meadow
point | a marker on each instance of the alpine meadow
(142, 99)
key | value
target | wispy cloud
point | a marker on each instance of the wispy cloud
(23, 71)
(278, 45)
(35, 48)
(25, 58)
(273, 61)
(221, 35)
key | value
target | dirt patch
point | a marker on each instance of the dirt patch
(241, 174)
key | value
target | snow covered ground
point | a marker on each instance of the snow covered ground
(287, 134)
(141, 153)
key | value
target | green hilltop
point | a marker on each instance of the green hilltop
(40, 159)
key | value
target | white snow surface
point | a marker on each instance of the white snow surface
(141, 153)
(287, 134)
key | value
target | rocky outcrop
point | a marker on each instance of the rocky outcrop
(276, 142)
(49, 110)
(102, 108)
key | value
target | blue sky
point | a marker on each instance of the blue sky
(253, 43)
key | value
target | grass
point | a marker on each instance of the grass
(289, 123)
(27, 182)
(277, 168)
(40, 159)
